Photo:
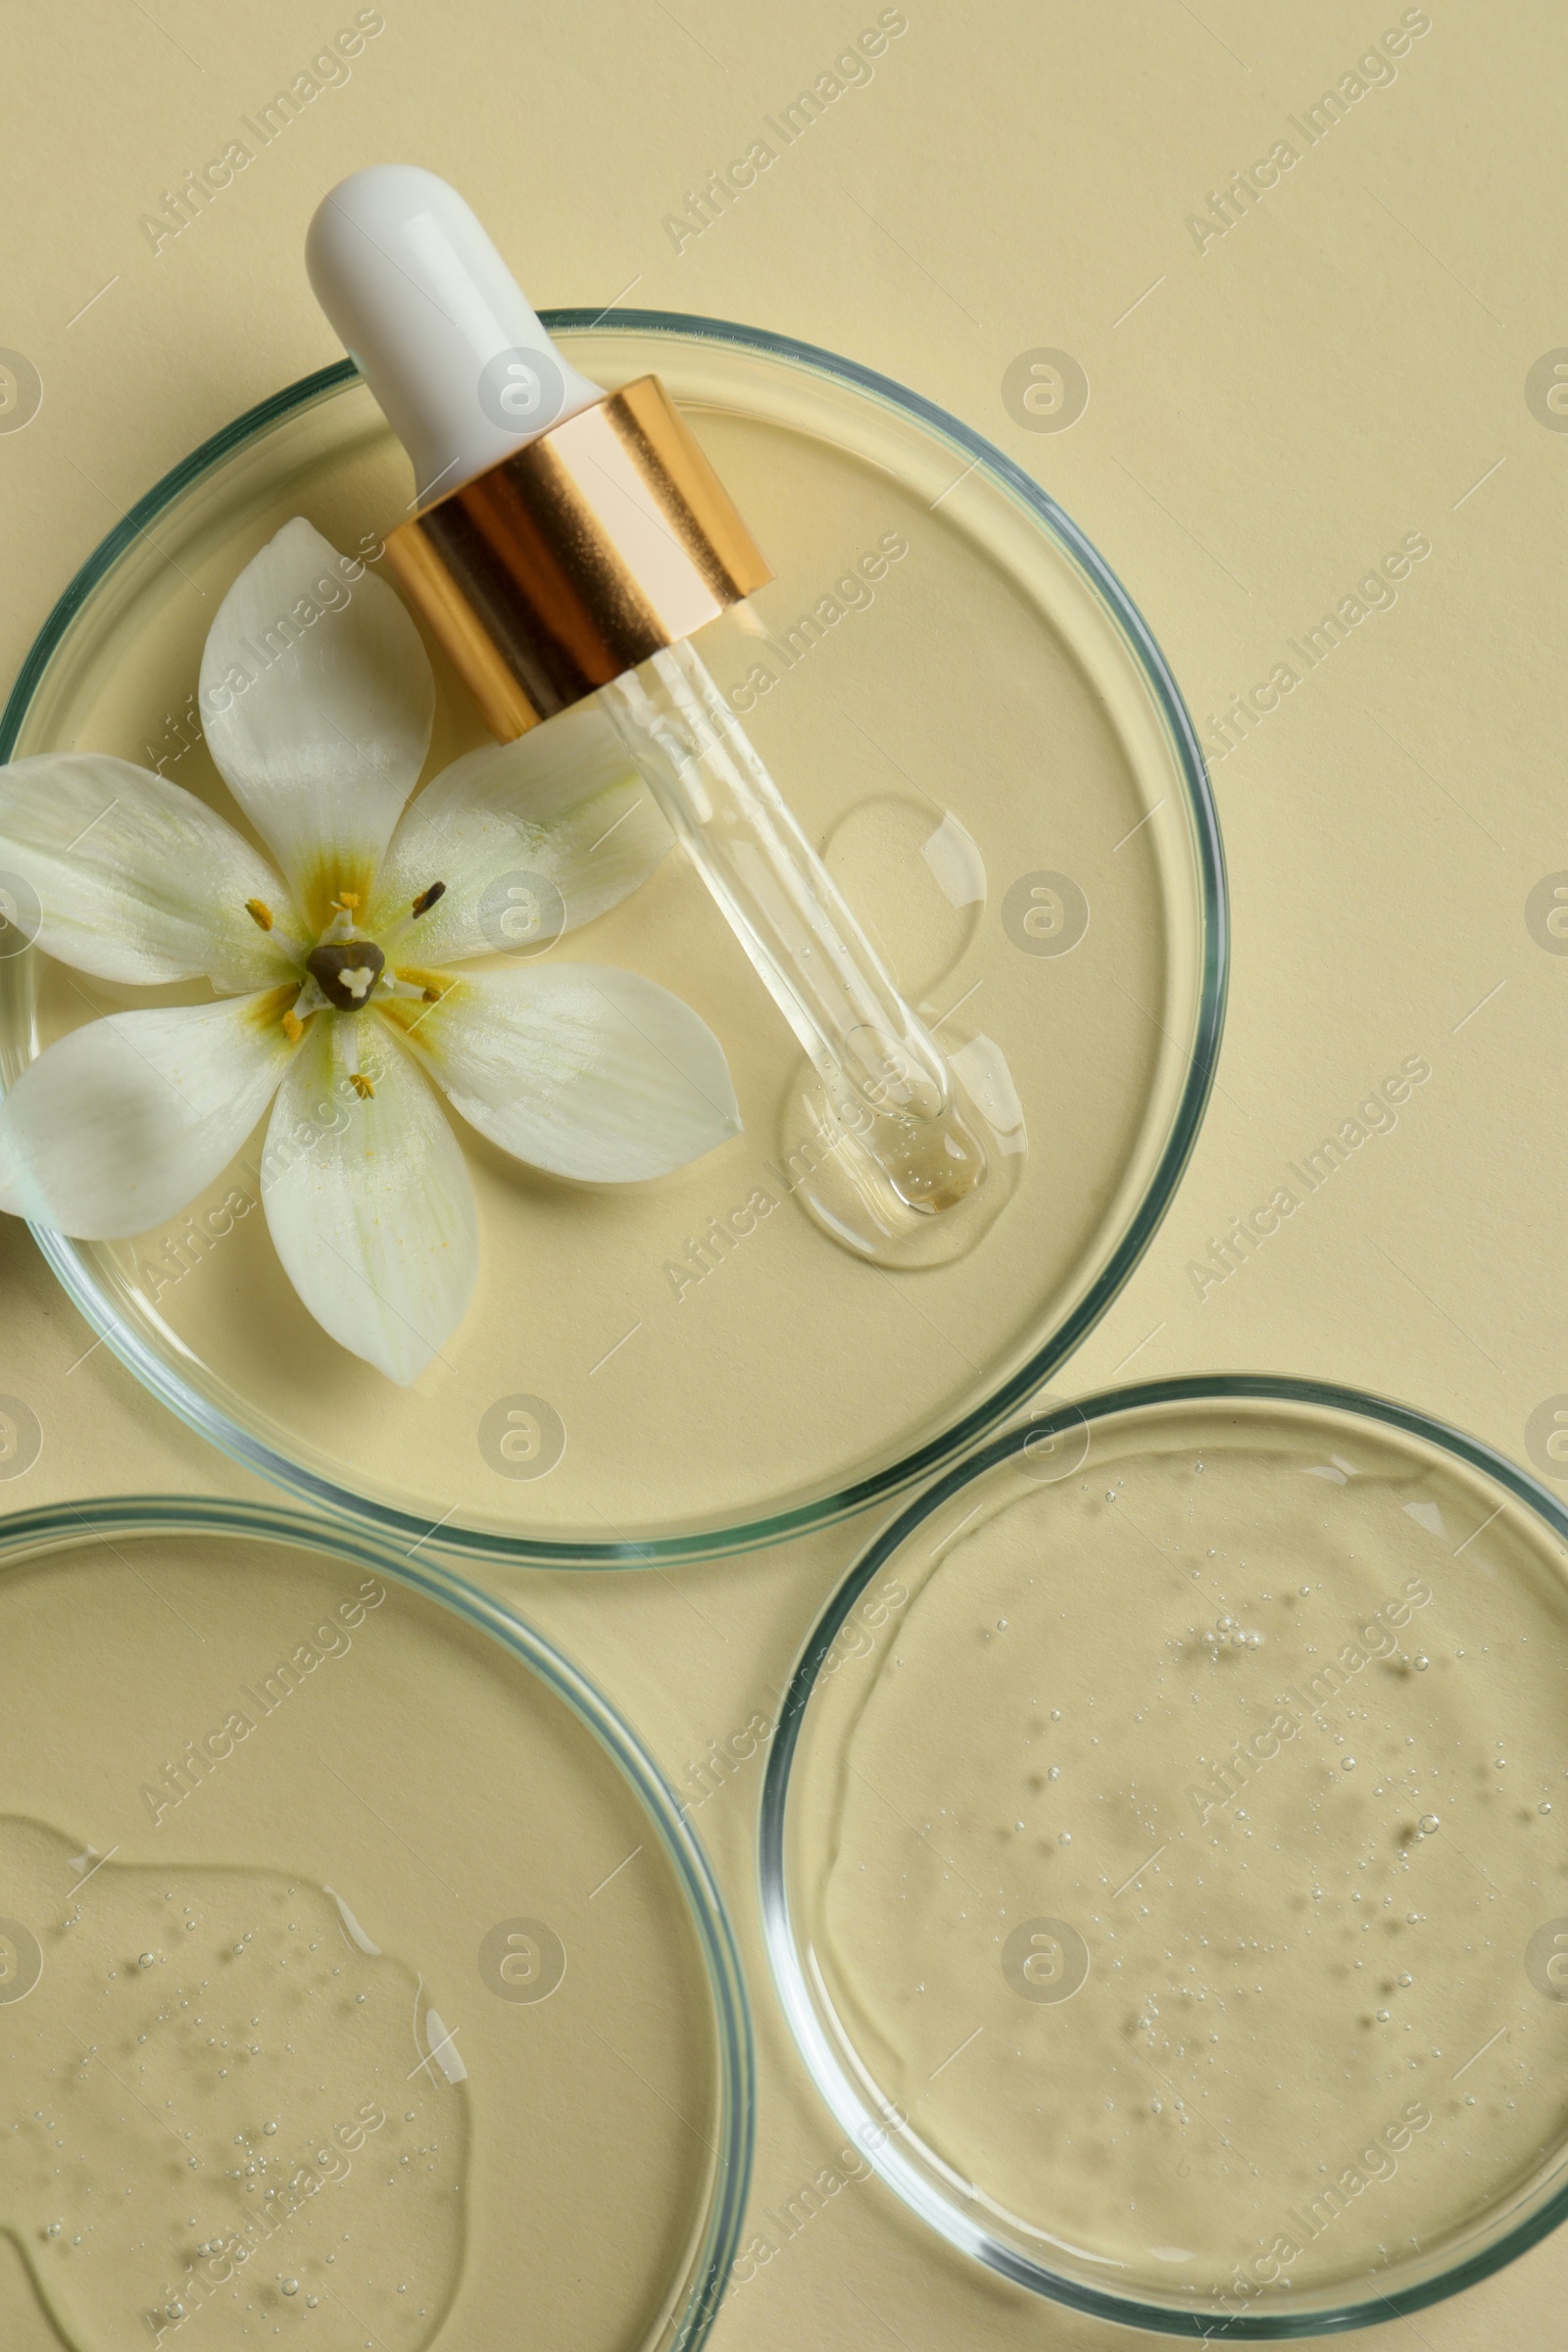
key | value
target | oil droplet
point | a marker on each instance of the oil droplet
(297, 2097)
(1222, 1931)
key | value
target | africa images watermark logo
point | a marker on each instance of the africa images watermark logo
(851, 69)
(21, 391)
(181, 207)
(329, 1637)
(1245, 191)
(1377, 1114)
(1377, 591)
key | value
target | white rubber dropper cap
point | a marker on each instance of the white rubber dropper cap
(436, 323)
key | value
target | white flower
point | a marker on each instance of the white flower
(330, 969)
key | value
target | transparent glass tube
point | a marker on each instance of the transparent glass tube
(889, 1094)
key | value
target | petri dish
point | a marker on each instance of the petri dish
(970, 716)
(1164, 1858)
(359, 1979)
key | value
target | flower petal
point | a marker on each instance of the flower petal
(137, 879)
(579, 1068)
(318, 699)
(118, 1125)
(530, 837)
(368, 1202)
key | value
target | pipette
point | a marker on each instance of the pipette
(567, 542)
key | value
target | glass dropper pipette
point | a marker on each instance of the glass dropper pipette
(566, 543)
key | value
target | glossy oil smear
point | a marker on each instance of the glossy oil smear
(230, 2118)
(1190, 1840)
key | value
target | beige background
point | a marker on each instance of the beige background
(1268, 416)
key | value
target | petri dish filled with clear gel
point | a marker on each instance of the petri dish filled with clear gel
(1165, 1858)
(360, 1983)
(972, 721)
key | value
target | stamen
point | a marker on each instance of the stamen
(264, 919)
(362, 1085)
(393, 987)
(398, 931)
(293, 1026)
(313, 998)
(345, 919)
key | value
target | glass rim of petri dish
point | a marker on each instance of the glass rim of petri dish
(692, 2302)
(847, 2082)
(176, 1382)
